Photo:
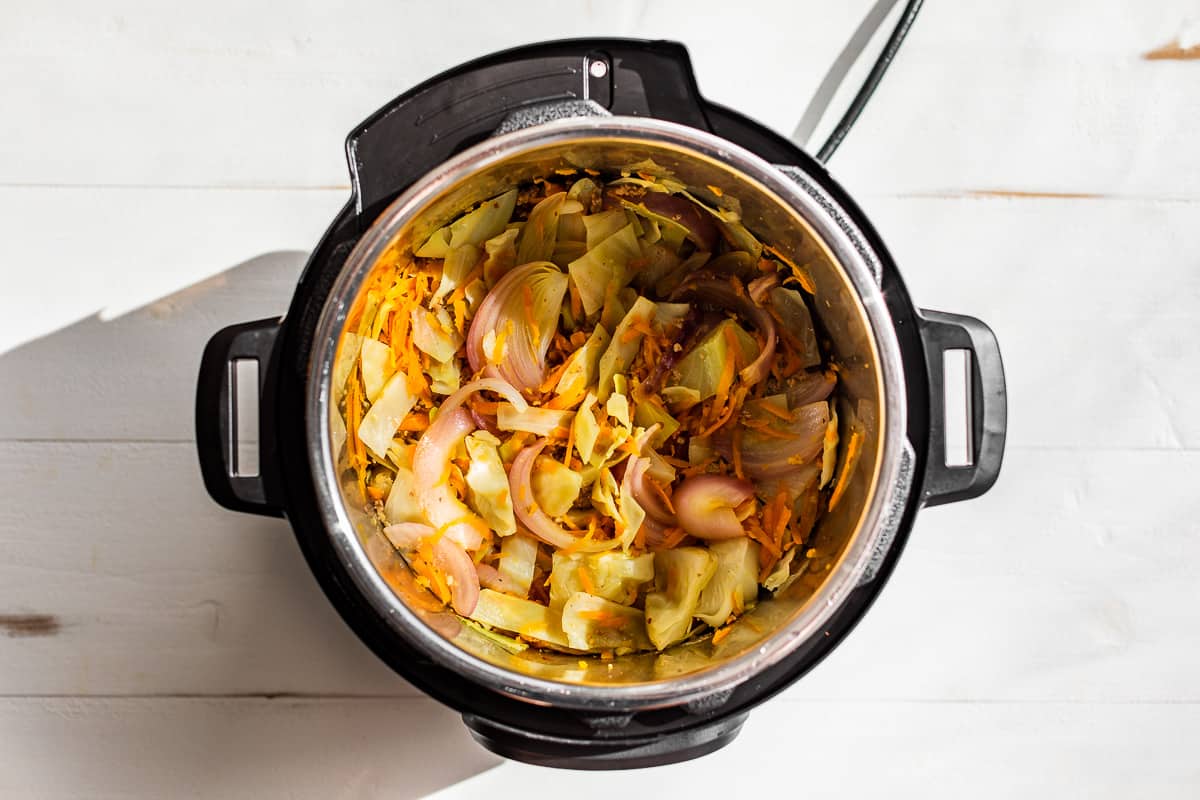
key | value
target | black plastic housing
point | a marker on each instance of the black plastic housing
(401, 142)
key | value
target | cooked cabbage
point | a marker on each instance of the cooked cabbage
(680, 575)
(734, 585)
(487, 483)
(593, 623)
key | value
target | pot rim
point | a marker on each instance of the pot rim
(887, 496)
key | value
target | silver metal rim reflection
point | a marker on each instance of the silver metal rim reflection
(849, 252)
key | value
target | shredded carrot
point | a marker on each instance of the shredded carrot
(563, 402)
(720, 634)
(553, 377)
(570, 445)
(585, 580)
(415, 422)
(576, 300)
(460, 291)
(853, 449)
(775, 411)
(376, 493)
(737, 453)
(460, 315)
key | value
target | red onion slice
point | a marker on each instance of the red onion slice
(699, 224)
(794, 444)
(705, 505)
(531, 515)
(450, 559)
(503, 314)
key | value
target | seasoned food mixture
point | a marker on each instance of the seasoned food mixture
(593, 413)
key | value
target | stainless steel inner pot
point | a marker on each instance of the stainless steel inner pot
(784, 210)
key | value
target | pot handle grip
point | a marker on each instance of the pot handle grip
(435, 120)
(987, 407)
(216, 416)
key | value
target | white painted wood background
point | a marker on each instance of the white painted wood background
(163, 169)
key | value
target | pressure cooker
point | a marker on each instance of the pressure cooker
(465, 136)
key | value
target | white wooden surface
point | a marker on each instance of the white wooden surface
(164, 168)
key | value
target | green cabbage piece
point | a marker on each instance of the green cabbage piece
(540, 232)
(608, 263)
(401, 504)
(680, 575)
(583, 367)
(797, 328)
(606, 493)
(734, 586)
(603, 225)
(593, 623)
(523, 617)
(658, 261)
(572, 230)
(533, 419)
(700, 369)
(518, 556)
(649, 411)
(506, 642)
(474, 228)
(434, 333)
(586, 428)
(782, 572)
(624, 345)
(612, 575)
(501, 256)
(459, 263)
(555, 485)
(487, 483)
(585, 191)
(680, 398)
(617, 406)
(377, 366)
(383, 418)
(445, 378)
(343, 365)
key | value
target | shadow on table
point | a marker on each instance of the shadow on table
(216, 604)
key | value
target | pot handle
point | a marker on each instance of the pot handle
(987, 407)
(465, 105)
(216, 416)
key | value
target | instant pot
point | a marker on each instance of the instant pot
(599, 104)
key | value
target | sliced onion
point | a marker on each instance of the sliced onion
(797, 443)
(502, 313)
(431, 463)
(705, 505)
(449, 558)
(722, 295)
(654, 533)
(811, 387)
(491, 578)
(497, 385)
(647, 495)
(759, 287)
(700, 225)
(531, 515)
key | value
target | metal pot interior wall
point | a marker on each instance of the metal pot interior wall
(840, 309)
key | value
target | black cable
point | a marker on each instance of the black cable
(907, 17)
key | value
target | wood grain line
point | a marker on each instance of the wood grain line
(1173, 51)
(22, 625)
